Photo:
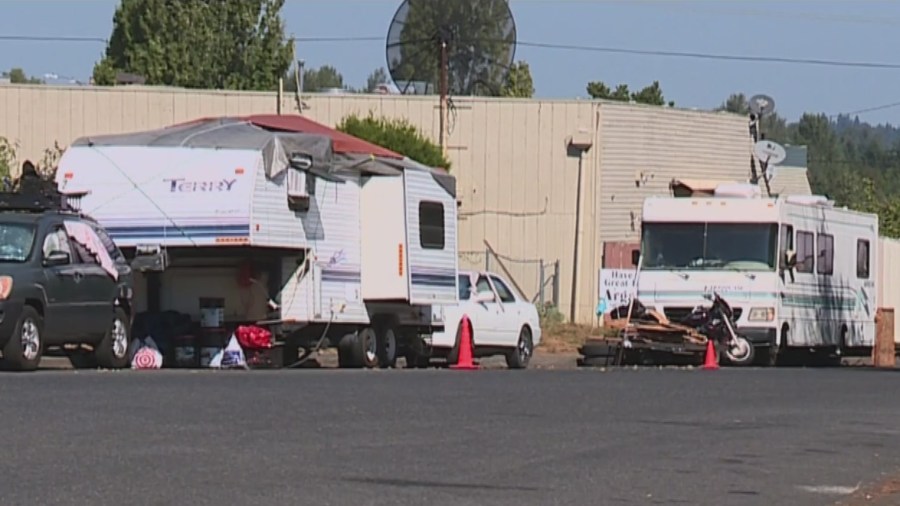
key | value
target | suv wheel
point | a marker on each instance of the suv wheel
(25, 347)
(112, 352)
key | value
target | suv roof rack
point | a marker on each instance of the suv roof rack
(38, 197)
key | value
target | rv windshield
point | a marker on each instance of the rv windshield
(709, 246)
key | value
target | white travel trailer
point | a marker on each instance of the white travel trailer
(799, 272)
(327, 238)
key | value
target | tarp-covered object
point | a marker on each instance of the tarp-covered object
(227, 133)
(276, 137)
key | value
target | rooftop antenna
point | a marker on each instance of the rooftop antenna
(761, 106)
(459, 47)
(769, 154)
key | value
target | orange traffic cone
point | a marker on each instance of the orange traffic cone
(711, 362)
(464, 360)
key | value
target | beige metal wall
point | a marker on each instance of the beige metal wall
(517, 180)
(888, 274)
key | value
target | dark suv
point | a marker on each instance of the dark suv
(62, 282)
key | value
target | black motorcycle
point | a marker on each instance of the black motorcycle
(716, 322)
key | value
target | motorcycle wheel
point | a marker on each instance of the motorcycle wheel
(741, 352)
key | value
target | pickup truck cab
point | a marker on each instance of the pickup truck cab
(62, 282)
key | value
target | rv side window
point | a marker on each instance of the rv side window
(862, 259)
(825, 261)
(806, 252)
(431, 225)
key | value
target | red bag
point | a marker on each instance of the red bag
(251, 337)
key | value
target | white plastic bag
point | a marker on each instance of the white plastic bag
(146, 355)
(230, 357)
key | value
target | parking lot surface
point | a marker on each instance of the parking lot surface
(534, 437)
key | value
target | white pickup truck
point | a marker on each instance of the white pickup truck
(503, 321)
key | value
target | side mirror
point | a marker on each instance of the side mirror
(484, 297)
(790, 259)
(635, 256)
(56, 258)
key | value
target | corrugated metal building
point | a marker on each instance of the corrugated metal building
(518, 176)
(791, 175)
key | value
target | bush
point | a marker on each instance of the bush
(397, 135)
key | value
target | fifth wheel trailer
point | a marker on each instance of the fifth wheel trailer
(800, 273)
(324, 237)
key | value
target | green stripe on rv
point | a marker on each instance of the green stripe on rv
(793, 300)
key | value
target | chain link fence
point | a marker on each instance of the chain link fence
(536, 279)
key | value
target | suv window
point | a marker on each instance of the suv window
(56, 240)
(114, 252)
(16, 242)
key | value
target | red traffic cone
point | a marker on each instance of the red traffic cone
(711, 362)
(464, 359)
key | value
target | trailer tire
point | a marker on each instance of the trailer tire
(386, 343)
(365, 348)
(346, 353)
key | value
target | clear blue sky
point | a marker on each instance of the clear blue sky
(856, 30)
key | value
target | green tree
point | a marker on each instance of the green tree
(219, 44)
(377, 77)
(398, 135)
(480, 27)
(651, 95)
(518, 82)
(318, 79)
(17, 76)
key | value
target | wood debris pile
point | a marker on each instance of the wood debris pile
(648, 325)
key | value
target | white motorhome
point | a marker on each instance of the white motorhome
(327, 238)
(799, 272)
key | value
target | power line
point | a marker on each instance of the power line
(870, 109)
(49, 38)
(653, 52)
(712, 56)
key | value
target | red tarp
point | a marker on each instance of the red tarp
(341, 142)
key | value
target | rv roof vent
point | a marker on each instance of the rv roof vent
(738, 190)
(811, 200)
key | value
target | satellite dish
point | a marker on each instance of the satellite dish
(762, 105)
(472, 41)
(769, 153)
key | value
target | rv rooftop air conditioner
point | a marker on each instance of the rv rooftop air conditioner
(738, 190)
(810, 200)
(300, 182)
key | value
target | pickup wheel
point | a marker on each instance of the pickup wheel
(112, 351)
(26, 345)
(520, 356)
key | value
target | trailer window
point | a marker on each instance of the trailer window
(431, 225)
(825, 261)
(862, 259)
(806, 255)
(787, 242)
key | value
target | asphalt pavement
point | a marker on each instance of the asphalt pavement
(414, 437)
